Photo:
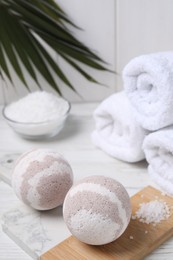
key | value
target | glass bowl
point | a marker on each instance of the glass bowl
(41, 130)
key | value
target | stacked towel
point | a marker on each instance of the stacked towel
(117, 131)
(146, 103)
(148, 82)
(158, 148)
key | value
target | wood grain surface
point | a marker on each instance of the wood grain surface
(138, 240)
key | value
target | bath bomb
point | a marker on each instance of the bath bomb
(41, 179)
(97, 210)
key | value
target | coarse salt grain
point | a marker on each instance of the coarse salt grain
(153, 212)
(37, 107)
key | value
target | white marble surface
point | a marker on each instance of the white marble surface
(7, 162)
(9, 250)
(35, 232)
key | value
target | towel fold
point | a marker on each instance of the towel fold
(158, 148)
(148, 82)
(117, 132)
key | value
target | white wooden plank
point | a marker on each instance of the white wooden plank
(85, 160)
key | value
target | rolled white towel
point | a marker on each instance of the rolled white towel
(117, 132)
(148, 82)
(158, 148)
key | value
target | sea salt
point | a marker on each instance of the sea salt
(37, 107)
(153, 212)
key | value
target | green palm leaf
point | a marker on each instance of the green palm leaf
(21, 22)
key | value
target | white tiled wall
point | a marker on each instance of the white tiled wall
(97, 19)
(117, 30)
(143, 26)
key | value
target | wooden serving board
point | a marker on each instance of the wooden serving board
(136, 242)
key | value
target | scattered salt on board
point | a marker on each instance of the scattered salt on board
(152, 212)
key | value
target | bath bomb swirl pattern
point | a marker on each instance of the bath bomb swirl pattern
(41, 179)
(97, 210)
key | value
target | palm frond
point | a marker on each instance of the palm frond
(21, 21)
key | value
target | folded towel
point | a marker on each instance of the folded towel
(148, 82)
(158, 148)
(117, 132)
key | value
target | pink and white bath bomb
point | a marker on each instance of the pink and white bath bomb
(97, 210)
(41, 179)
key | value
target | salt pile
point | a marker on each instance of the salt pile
(152, 212)
(37, 107)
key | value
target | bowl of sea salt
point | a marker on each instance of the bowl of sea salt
(38, 115)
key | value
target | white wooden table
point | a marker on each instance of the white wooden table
(74, 142)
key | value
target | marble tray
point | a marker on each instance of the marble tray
(34, 231)
(7, 162)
